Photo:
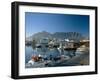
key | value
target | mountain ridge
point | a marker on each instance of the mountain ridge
(57, 35)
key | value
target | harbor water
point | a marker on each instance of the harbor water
(29, 51)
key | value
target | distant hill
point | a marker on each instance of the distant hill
(42, 35)
(57, 35)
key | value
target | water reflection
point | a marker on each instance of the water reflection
(54, 53)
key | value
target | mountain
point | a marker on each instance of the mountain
(57, 35)
(39, 35)
(42, 34)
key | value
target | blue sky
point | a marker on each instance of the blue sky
(37, 22)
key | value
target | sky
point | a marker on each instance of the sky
(38, 22)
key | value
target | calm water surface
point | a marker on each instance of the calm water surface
(29, 51)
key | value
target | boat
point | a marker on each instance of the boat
(52, 56)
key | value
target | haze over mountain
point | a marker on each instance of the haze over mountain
(57, 35)
(44, 34)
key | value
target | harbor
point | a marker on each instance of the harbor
(53, 53)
